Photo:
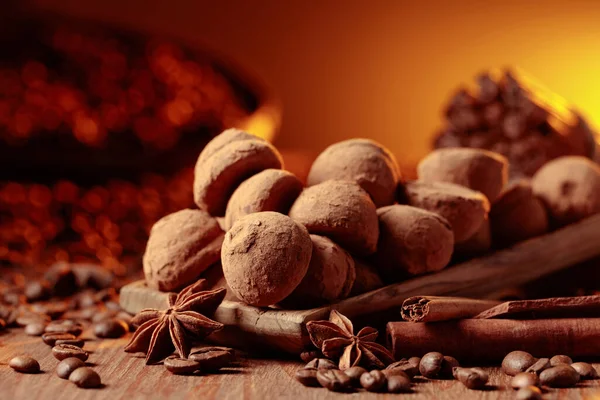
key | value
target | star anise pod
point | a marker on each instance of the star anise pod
(336, 339)
(160, 332)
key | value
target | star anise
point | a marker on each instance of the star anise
(336, 339)
(160, 332)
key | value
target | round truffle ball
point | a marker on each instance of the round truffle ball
(342, 211)
(223, 139)
(367, 278)
(329, 278)
(181, 246)
(478, 244)
(517, 215)
(412, 241)
(265, 255)
(481, 170)
(463, 208)
(269, 190)
(364, 161)
(219, 175)
(569, 187)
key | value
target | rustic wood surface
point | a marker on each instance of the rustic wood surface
(126, 377)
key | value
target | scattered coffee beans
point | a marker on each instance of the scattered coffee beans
(308, 356)
(472, 378)
(65, 326)
(73, 342)
(321, 363)
(523, 380)
(27, 318)
(374, 381)
(540, 365)
(517, 361)
(448, 366)
(560, 359)
(24, 364)
(355, 373)
(307, 377)
(51, 338)
(86, 378)
(181, 366)
(62, 351)
(431, 364)
(65, 368)
(561, 376)
(529, 393)
(398, 384)
(213, 358)
(409, 367)
(585, 370)
(110, 328)
(35, 329)
(334, 380)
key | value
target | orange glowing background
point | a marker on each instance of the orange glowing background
(382, 68)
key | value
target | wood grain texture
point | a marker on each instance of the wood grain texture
(126, 377)
(285, 330)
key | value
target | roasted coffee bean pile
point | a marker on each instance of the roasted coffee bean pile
(511, 115)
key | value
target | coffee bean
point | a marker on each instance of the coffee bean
(73, 342)
(213, 358)
(86, 378)
(355, 373)
(414, 361)
(448, 365)
(396, 372)
(35, 329)
(307, 377)
(62, 280)
(8, 314)
(181, 366)
(539, 366)
(62, 351)
(86, 299)
(36, 291)
(308, 356)
(405, 366)
(560, 359)
(374, 381)
(104, 315)
(65, 326)
(431, 364)
(24, 364)
(53, 310)
(517, 361)
(472, 378)
(398, 384)
(334, 380)
(585, 370)
(110, 328)
(27, 318)
(86, 314)
(321, 363)
(529, 393)
(561, 376)
(66, 367)
(51, 338)
(524, 379)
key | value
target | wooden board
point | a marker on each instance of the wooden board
(285, 330)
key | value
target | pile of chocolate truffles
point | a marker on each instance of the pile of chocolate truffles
(357, 225)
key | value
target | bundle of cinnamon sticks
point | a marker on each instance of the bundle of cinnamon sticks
(486, 330)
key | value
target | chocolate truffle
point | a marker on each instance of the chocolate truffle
(329, 278)
(367, 278)
(269, 190)
(181, 246)
(342, 211)
(569, 187)
(265, 255)
(219, 175)
(364, 161)
(223, 139)
(412, 241)
(479, 243)
(463, 208)
(481, 170)
(517, 215)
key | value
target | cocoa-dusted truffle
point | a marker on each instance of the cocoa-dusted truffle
(367, 278)
(517, 214)
(569, 187)
(269, 190)
(465, 209)
(181, 246)
(342, 211)
(218, 176)
(223, 139)
(481, 170)
(364, 161)
(412, 241)
(265, 255)
(330, 276)
(478, 244)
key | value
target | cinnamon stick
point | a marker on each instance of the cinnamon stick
(580, 306)
(492, 339)
(439, 308)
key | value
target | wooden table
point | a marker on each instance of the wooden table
(126, 377)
